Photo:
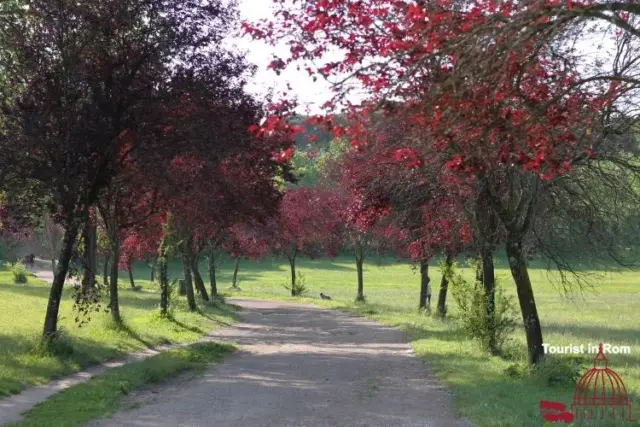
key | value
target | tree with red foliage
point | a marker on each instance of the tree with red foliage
(140, 243)
(507, 132)
(307, 224)
(81, 90)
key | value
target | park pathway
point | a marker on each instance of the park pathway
(300, 366)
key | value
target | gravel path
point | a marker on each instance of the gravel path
(300, 366)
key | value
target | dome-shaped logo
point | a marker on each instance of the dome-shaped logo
(600, 394)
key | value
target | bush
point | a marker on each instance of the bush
(19, 272)
(474, 320)
(300, 287)
(561, 371)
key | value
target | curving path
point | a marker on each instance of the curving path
(305, 367)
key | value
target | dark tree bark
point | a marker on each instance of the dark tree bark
(114, 301)
(152, 270)
(191, 299)
(519, 271)
(234, 282)
(105, 271)
(55, 294)
(478, 272)
(162, 263)
(212, 272)
(131, 281)
(359, 265)
(444, 288)
(424, 283)
(198, 279)
(90, 264)
(292, 264)
(489, 285)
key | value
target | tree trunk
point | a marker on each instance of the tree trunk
(162, 263)
(152, 271)
(212, 273)
(191, 299)
(53, 266)
(131, 281)
(198, 279)
(478, 272)
(89, 262)
(444, 288)
(359, 264)
(424, 284)
(55, 294)
(114, 301)
(292, 263)
(164, 286)
(360, 294)
(489, 285)
(105, 271)
(530, 317)
(234, 282)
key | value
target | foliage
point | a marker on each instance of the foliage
(299, 288)
(561, 371)
(472, 304)
(20, 273)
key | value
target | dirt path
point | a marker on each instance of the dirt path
(305, 367)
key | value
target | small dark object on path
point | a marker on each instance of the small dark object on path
(323, 296)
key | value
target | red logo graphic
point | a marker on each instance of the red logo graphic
(599, 394)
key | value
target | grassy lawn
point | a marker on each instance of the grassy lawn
(22, 309)
(102, 395)
(482, 390)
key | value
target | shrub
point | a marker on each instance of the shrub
(300, 287)
(560, 371)
(19, 272)
(474, 320)
(517, 371)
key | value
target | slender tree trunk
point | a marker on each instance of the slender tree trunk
(478, 272)
(444, 288)
(53, 265)
(424, 283)
(212, 272)
(164, 285)
(152, 270)
(530, 317)
(162, 263)
(89, 261)
(191, 299)
(198, 279)
(489, 284)
(105, 271)
(131, 281)
(234, 282)
(114, 301)
(55, 293)
(359, 264)
(292, 263)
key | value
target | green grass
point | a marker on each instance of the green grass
(102, 395)
(22, 308)
(482, 391)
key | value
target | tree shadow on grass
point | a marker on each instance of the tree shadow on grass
(126, 329)
(28, 365)
(184, 326)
